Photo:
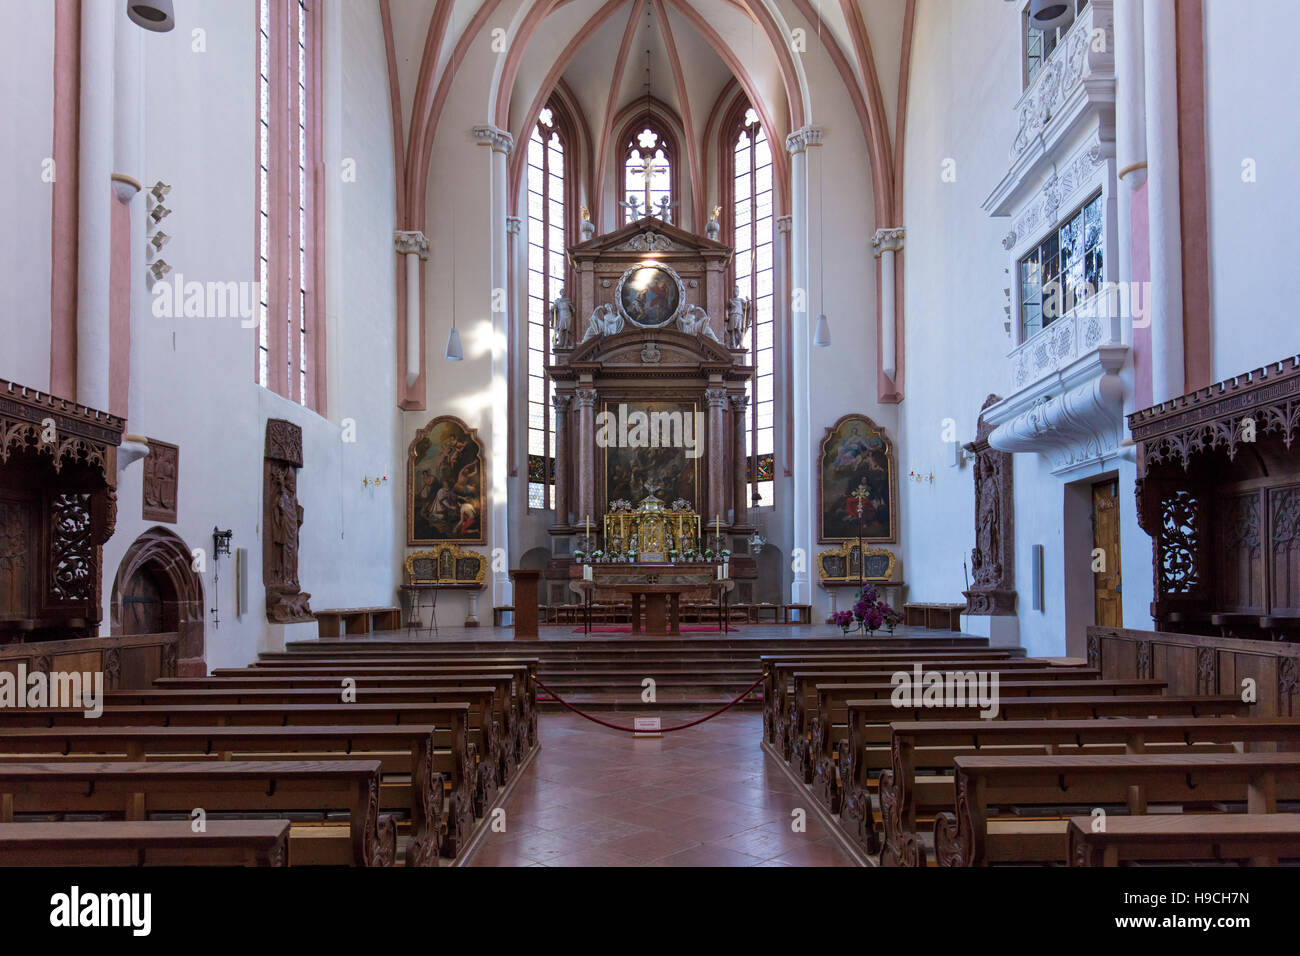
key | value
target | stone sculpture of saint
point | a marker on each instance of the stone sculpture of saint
(739, 318)
(562, 321)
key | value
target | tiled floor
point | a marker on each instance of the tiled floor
(707, 796)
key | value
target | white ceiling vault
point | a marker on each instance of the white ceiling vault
(789, 57)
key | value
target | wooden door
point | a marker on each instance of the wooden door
(1108, 604)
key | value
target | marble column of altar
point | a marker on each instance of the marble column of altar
(740, 496)
(561, 477)
(586, 399)
(716, 398)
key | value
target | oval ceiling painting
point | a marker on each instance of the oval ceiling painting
(650, 295)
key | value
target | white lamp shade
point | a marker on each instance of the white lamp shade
(822, 332)
(453, 345)
(155, 15)
(1048, 14)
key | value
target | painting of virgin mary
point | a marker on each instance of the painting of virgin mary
(857, 483)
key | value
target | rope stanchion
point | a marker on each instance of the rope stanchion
(663, 730)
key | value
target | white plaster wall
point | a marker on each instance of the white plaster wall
(964, 79)
(1251, 92)
(27, 130)
(193, 379)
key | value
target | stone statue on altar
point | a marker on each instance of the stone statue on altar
(562, 321)
(695, 321)
(739, 319)
(603, 321)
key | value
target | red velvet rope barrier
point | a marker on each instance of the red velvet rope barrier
(663, 730)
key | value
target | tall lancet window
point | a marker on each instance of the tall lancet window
(647, 171)
(752, 218)
(289, 353)
(546, 277)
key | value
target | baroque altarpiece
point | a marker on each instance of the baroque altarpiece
(649, 333)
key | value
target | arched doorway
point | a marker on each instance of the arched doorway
(157, 592)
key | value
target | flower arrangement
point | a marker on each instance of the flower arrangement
(689, 555)
(726, 554)
(708, 554)
(869, 612)
(578, 554)
(597, 555)
(672, 555)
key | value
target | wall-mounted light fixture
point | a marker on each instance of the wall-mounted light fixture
(221, 541)
(156, 16)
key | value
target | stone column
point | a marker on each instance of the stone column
(500, 143)
(884, 244)
(716, 399)
(740, 496)
(586, 457)
(94, 210)
(413, 246)
(805, 299)
(1163, 204)
(562, 517)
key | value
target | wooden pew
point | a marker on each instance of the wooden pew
(422, 793)
(777, 675)
(970, 838)
(453, 756)
(136, 789)
(495, 727)
(522, 693)
(827, 724)
(869, 721)
(807, 685)
(935, 744)
(145, 843)
(1185, 838)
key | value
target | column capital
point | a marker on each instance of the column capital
(887, 240)
(561, 402)
(739, 403)
(499, 139)
(513, 225)
(715, 397)
(586, 397)
(802, 138)
(784, 223)
(406, 241)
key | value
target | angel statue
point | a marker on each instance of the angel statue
(603, 321)
(665, 209)
(695, 321)
(562, 321)
(632, 205)
(739, 318)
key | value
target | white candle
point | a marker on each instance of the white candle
(586, 572)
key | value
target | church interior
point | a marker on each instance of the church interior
(649, 433)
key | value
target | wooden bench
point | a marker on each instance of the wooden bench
(934, 745)
(145, 843)
(337, 622)
(134, 790)
(1185, 838)
(970, 838)
(844, 687)
(827, 723)
(495, 727)
(869, 727)
(452, 755)
(414, 746)
(945, 617)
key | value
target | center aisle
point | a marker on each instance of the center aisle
(707, 796)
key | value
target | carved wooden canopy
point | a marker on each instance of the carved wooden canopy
(58, 506)
(1218, 490)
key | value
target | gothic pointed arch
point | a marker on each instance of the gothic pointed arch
(157, 591)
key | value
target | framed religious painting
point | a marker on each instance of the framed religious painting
(857, 488)
(650, 295)
(445, 500)
(636, 467)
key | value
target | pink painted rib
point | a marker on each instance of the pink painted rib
(607, 121)
(688, 125)
(518, 47)
(878, 143)
(789, 76)
(421, 106)
(64, 212)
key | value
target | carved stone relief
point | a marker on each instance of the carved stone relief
(161, 479)
(282, 516)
